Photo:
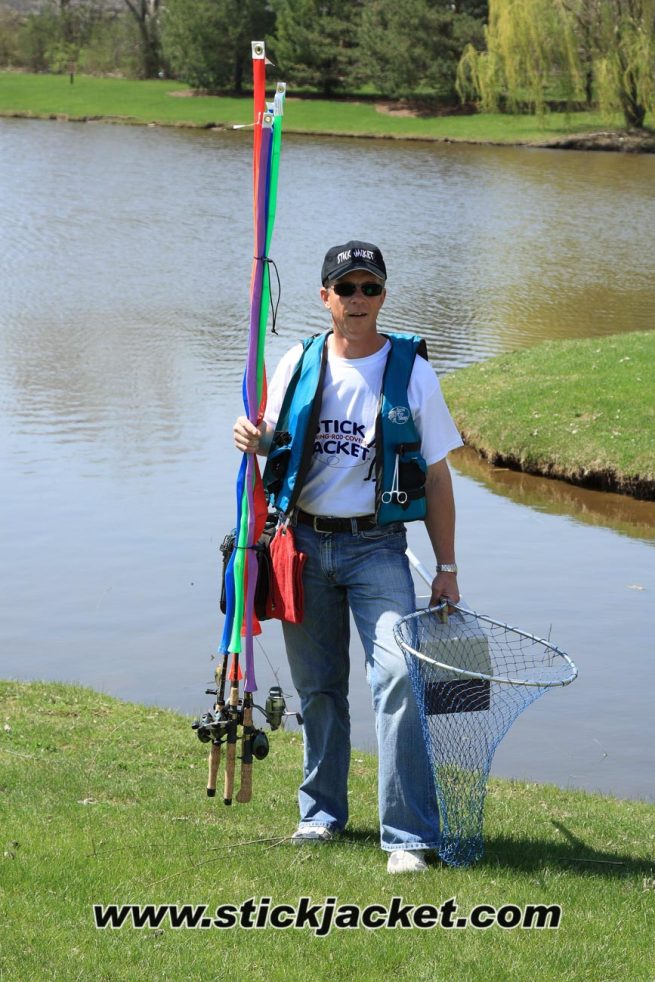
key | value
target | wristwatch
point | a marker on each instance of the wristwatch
(446, 567)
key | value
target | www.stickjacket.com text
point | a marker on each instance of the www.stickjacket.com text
(321, 917)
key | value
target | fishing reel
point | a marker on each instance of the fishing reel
(215, 726)
(276, 708)
(212, 728)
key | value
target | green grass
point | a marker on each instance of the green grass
(129, 101)
(151, 102)
(579, 410)
(103, 801)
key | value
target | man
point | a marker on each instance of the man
(356, 433)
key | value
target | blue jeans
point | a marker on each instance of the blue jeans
(368, 573)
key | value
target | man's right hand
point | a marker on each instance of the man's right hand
(248, 438)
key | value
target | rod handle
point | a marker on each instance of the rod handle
(214, 761)
(230, 760)
(245, 791)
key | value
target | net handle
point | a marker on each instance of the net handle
(423, 573)
(418, 566)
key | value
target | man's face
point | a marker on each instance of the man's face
(354, 317)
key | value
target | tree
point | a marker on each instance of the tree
(207, 42)
(73, 27)
(315, 42)
(64, 35)
(114, 45)
(53, 37)
(146, 13)
(10, 25)
(407, 45)
(625, 66)
(35, 39)
(580, 49)
(479, 9)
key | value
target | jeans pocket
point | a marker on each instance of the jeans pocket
(382, 532)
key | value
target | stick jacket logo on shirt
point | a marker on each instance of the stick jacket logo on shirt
(341, 442)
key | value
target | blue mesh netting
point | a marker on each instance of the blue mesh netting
(472, 678)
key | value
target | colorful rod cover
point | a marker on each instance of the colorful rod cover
(241, 575)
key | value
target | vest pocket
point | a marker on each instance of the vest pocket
(277, 465)
(411, 471)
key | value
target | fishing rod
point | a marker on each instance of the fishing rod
(231, 720)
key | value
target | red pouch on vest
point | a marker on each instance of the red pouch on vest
(286, 594)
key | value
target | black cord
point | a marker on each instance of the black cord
(274, 306)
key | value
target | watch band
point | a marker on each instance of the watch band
(446, 567)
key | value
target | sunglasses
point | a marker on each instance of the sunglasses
(349, 289)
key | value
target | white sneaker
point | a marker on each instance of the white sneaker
(407, 861)
(312, 833)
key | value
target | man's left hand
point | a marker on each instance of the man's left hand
(444, 587)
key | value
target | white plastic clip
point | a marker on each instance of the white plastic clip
(283, 522)
(267, 121)
(258, 50)
(280, 93)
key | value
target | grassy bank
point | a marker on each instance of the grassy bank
(578, 410)
(172, 104)
(103, 802)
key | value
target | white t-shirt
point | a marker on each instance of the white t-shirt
(341, 478)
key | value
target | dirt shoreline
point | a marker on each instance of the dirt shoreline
(626, 142)
(641, 489)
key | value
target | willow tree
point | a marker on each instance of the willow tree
(537, 50)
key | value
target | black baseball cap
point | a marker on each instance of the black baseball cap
(343, 259)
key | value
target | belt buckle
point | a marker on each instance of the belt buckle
(317, 518)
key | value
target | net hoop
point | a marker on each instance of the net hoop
(484, 618)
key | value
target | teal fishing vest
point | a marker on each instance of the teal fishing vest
(290, 455)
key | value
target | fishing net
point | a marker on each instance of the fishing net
(472, 678)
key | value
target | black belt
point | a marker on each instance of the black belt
(327, 523)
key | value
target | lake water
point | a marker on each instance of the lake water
(123, 315)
